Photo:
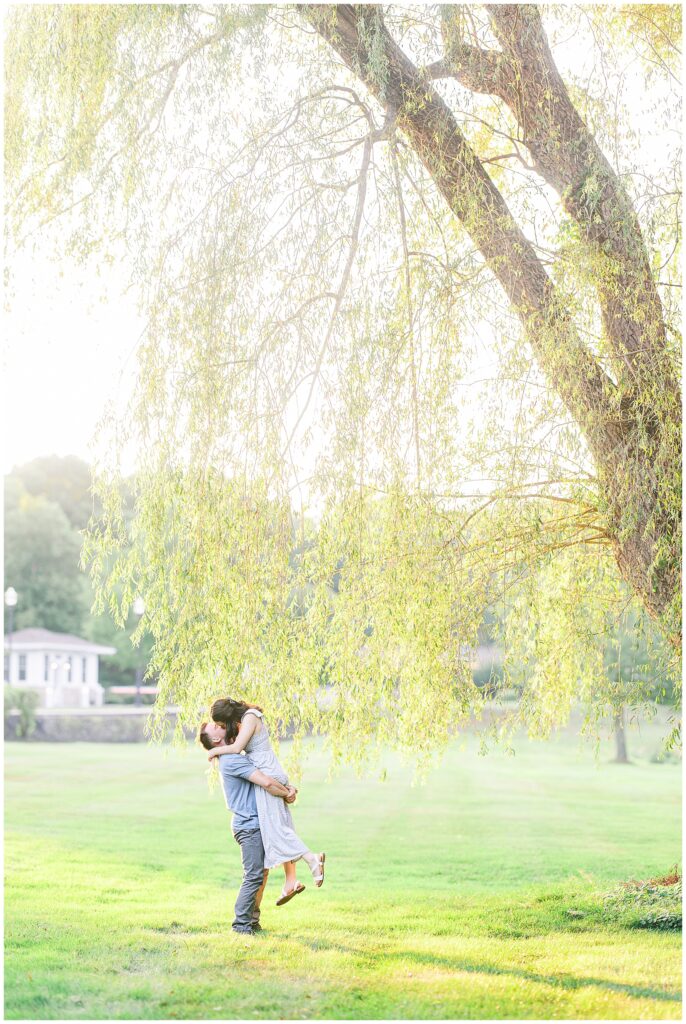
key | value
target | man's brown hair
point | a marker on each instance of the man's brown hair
(204, 738)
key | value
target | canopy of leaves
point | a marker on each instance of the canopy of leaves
(64, 480)
(329, 365)
(41, 563)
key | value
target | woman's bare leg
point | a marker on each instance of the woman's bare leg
(312, 860)
(291, 880)
(315, 862)
(291, 886)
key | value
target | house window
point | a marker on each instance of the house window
(22, 668)
(7, 668)
(68, 668)
(83, 670)
(46, 668)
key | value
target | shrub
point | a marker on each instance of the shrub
(662, 756)
(25, 702)
(654, 903)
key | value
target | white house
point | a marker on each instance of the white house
(63, 668)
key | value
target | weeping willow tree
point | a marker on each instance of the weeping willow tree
(410, 280)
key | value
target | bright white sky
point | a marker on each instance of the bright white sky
(67, 353)
(70, 336)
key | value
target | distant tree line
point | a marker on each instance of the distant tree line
(47, 506)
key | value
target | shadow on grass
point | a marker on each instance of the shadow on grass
(568, 982)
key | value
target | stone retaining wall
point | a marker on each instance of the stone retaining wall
(116, 726)
(126, 724)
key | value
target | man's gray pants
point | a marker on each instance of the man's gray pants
(252, 852)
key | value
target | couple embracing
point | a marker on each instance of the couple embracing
(257, 791)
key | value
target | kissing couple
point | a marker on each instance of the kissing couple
(257, 791)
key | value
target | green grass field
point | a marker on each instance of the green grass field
(449, 900)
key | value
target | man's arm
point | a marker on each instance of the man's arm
(243, 768)
(272, 786)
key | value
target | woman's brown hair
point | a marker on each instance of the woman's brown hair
(229, 712)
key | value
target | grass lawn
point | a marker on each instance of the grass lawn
(449, 900)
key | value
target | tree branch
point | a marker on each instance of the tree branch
(567, 156)
(483, 71)
(460, 177)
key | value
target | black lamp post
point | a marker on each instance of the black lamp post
(138, 609)
(10, 604)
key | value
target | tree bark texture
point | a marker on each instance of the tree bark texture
(630, 415)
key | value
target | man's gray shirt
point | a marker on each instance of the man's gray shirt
(238, 792)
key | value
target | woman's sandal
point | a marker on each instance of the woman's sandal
(319, 879)
(286, 896)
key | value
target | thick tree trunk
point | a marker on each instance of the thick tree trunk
(642, 478)
(568, 157)
(631, 421)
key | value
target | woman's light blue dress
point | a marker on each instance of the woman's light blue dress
(276, 825)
